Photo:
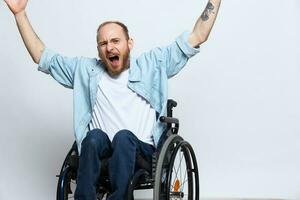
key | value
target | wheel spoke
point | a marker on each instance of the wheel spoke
(178, 169)
(182, 170)
(185, 180)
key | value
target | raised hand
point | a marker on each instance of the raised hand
(16, 6)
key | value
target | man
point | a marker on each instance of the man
(117, 99)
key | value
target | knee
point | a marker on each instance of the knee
(124, 137)
(93, 138)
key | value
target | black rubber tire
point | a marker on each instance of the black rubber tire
(64, 177)
(66, 185)
(173, 146)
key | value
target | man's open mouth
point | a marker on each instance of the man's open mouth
(114, 59)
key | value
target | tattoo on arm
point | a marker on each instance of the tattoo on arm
(208, 10)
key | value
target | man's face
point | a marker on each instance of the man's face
(114, 48)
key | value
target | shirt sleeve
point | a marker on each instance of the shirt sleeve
(173, 57)
(61, 68)
(176, 55)
(184, 45)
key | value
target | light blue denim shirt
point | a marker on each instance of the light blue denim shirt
(148, 77)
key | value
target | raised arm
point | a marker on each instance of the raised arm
(204, 23)
(32, 42)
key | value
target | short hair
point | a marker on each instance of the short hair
(123, 26)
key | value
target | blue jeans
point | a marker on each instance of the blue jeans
(122, 152)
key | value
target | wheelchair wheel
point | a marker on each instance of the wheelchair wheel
(66, 185)
(176, 176)
(67, 178)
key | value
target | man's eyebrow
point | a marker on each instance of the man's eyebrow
(115, 38)
(103, 41)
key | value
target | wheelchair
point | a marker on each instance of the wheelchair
(172, 174)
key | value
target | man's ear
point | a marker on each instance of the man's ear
(130, 43)
(98, 49)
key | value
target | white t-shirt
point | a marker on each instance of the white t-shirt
(117, 107)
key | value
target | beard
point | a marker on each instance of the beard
(124, 63)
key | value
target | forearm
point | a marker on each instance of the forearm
(205, 23)
(32, 42)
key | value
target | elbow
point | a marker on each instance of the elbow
(36, 60)
(197, 39)
(36, 56)
(202, 37)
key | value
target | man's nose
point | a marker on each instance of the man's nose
(109, 47)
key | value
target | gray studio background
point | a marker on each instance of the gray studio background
(239, 99)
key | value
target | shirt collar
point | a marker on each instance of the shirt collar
(134, 70)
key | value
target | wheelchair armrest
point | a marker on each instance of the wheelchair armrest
(171, 121)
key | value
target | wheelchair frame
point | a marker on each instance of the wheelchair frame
(157, 176)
